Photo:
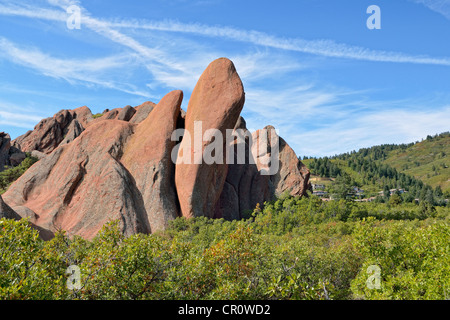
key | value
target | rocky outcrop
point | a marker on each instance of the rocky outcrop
(49, 133)
(6, 211)
(148, 158)
(74, 130)
(245, 187)
(5, 145)
(290, 173)
(215, 103)
(142, 112)
(126, 113)
(126, 165)
(113, 170)
(9, 155)
(82, 185)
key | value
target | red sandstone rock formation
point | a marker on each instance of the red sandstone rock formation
(148, 158)
(119, 165)
(216, 101)
(49, 133)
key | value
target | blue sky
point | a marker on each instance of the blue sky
(310, 68)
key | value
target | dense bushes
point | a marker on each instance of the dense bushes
(291, 249)
(11, 174)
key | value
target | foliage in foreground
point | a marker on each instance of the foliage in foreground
(291, 249)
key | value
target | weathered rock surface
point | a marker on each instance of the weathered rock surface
(6, 211)
(113, 170)
(126, 113)
(110, 115)
(5, 145)
(74, 130)
(216, 101)
(120, 166)
(142, 112)
(82, 185)
(50, 132)
(291, 173)
(16, 158)
(37, 154)
(244, 187)
(148, 158)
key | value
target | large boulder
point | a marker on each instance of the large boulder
(216, 103)
(6, 212)
(126, 113)
(289, 173)
(142, 112)
(16, 158)
(148, 158)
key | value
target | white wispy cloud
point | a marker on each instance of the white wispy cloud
(327, 48)
(369, 129)
(440, 6)
(71, 70)
(18, 116)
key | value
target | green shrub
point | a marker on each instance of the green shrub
(290, 248)
(11, 174)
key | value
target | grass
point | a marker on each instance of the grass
(427, 160)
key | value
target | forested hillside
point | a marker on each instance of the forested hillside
(421, 169)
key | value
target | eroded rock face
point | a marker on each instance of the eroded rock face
(244, 187)
(113, 170)
(126, 113)
(216, 102)
(142, 112)
(73, 131)
(17, 213)
(148, 158)
(6, 211)
(291, 173)
(50, 132)
(82, 185)
(5, 145)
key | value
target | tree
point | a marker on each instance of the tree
(341, 186)
(386, 192)
(395, 200)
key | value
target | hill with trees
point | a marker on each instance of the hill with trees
(416, 171)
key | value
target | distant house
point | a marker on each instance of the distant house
(366, 200)
(318, 187)
(392, 191)
(320, 193)
(357, 192)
